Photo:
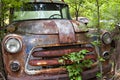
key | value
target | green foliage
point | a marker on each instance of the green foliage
(101, 59)
(76, 7)
(5, 9)
(98, 75)
(5, 6)
(79, 62)
(109, 12)
(96, 43)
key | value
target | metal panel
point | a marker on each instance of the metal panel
(66, 31)
(54, 62)
(37, 27)
(58, 53)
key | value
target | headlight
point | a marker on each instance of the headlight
(13, 45)
(106, 38)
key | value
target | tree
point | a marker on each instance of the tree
(5, 6)
(109, 13)
(75, 5)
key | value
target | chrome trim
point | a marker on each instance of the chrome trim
(12, 36)
(103, 36)
(34, 72)
(17, 62)
(30, 72)
(104, 54)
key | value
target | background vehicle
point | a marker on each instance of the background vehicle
(83, 20)
(40, 33)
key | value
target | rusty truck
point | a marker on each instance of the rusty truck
(39, 34)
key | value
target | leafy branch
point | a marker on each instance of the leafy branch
(79, 63)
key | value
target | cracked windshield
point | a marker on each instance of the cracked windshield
(41, 11)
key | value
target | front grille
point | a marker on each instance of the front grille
(46, 60)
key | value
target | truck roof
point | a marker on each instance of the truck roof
(52, 1)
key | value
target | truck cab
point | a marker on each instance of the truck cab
(40, 33)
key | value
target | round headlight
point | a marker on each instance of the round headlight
(13, 45)
(106, 38)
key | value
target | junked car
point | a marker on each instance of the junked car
(40, 33)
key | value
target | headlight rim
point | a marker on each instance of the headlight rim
(103, 40)
(20, 43)
(18, 66)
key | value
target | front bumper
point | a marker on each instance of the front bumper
(86, 75)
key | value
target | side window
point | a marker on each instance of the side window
(64, 12)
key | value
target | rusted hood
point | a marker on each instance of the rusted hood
(66, 29)
(48, 26)
(47, 33)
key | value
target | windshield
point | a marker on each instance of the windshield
(41, 11)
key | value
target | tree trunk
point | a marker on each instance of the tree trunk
(116, 54)
(0, 13)
(76, 15)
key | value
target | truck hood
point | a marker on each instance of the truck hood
(66, 29)
(49, 26)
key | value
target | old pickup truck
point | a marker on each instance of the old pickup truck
(39, 34)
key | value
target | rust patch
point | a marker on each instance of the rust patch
(9, 57)
(43, 62)
(58, 53)
(41, 77)
(53, 62)
(66, 31)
